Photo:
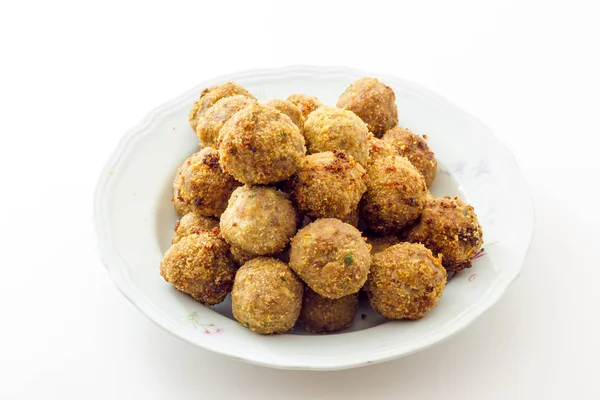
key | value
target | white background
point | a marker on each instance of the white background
(76, 75)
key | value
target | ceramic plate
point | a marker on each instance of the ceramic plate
(134, 221)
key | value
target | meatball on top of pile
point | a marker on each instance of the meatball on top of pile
(266, 296)
(415, 148)
(331, 257)
(193, 223)
(260, 145)
(200, 265)
(328, 185)
(305, 103)
(449, 226)
(289, 109)
(396, 194)
(211, 122)
(405, 282)
(329, 128)
(320, 314)
(259, 219)
(202, 185)
(373, 102)
(210, 96)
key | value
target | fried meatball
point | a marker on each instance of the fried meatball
(415, 148)
(450, 227)
(266, 296)
(396, 194)
(202, 185)
(373, 102)
(328, 185)
(329, 128)
(193, 223)
(259, 220)
(305, 103)
(211, 122)
(260, 145)
(289, 109)
(380, 243)
(331, 257)
(200, 265)
(405, 281)
(210, 96)
(320, 314)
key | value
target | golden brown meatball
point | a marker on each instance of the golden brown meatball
(199, 265)
(266, 296)
(331, 257)
(260, 145)
(415, 148)
(396, 194)
(210, 96)
(202, 185)
(211, 122)
(329, 128)
(328, 185)
(373, 102)
(449, 226)
(193, 223)
(380, 243)
(305, 103)
(289, 109)
(259, 219)
(405, 282)
(320, 314)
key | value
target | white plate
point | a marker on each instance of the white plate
(134, 221)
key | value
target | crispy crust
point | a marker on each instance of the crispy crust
(321, 315)
(193, 223)
(260, 145)
(307, 104)
(329, 185)
(378, 148)
(396, 194)
(405, 281)
(241, 256)
(201, 186)
(266, 296)
(211, 122)
(331, 257)
(289, 109)
(210, 96)
(450, 227)
(415, 148)
(199, 265)
(373, 102)
(329, 128)
(259, 220)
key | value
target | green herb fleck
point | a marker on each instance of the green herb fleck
(349, 259)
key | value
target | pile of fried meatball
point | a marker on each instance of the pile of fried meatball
(294, 207)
